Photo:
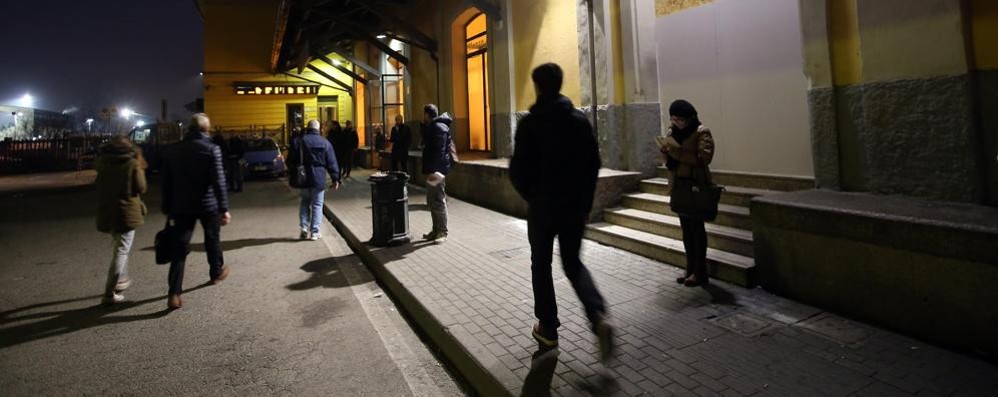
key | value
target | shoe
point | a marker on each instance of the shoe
(303, 235)
(604, 339)
(122, 285)
(440, 238)
(430, 236)
(109, 300)
(544, 337)
(221, 277)
(315, 236)
(173, 302)
(694, 281)
(682, 279)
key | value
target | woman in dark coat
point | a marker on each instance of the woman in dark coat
(121, 180)
(689, 148)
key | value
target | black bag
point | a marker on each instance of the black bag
(165, 240)
(298, 177)
(695, 200)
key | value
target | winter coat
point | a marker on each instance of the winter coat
(555, 163)
(120, 183)
(401, 139)
(318, 157)
(696, 151)
(194, 177)
(436, 145)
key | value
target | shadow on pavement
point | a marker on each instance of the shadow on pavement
(232, 245)
(542, 365)
(67, 321)
(326, 273)
(418, 207)
(720, 295)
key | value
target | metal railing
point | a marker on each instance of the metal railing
(48, 155)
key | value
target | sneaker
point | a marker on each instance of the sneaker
(430, 236)
(123, 285)
(112, 299)
(547, 339)
(303, 235)
(315, 236)
(440, 238)
(604, 338)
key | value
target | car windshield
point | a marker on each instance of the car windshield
(261, 145)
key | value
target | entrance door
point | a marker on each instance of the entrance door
(294, 120)
(478, 84)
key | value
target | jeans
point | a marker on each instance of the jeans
(542, 227)
(310, 209)
(119, 260)
(211, 223)
(436, 200)
(695, 243)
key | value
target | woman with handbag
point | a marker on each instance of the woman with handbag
(121, 180)
(688, 150)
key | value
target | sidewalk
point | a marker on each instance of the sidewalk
(11, 184)
(472, 297)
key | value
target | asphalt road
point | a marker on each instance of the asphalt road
(293, 318)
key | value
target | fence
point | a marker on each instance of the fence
(48, 155)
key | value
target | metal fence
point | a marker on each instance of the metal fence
(48, 155)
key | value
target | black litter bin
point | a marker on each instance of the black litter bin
(389, 208)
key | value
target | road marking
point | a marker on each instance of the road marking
(373, 300)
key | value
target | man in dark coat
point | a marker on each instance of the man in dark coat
(234, 158)
(318, 157)
(349, 143)
(194, 190)
(401, 139)
(436, 165)
(554, 168)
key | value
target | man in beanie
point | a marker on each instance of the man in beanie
(554, 168)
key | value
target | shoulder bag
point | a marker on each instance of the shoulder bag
(298, 178)
(697, 196)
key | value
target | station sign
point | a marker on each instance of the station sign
(245, 88)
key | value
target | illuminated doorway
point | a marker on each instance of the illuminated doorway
(476, 46)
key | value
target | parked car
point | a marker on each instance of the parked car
(263, 157)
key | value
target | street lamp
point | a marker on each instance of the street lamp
(89, 123)
(27, 101)
(127, 113)
(139, 124)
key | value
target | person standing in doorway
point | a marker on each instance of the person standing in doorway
(554, 168)
(318, 157)
(194, 190)
(436, 165)
(121, 182)
(689, 148)
(350, 143)
(401, 139)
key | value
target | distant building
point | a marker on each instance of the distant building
(25, 123)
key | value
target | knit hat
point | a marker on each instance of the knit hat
(682, 108)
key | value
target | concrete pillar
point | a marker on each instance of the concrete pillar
(502, 94)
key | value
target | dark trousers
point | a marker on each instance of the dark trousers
(211, 223)
(541, 231)
(400, 161)
(345, 160)
(695, 243)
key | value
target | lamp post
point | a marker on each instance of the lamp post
(89, 123)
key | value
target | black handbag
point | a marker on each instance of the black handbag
(165, 240)
(298, 178)
(695, 200)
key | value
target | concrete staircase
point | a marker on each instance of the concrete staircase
(646, 226)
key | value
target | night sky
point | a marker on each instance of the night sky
(94, 53)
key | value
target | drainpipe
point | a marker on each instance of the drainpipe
(592, 64)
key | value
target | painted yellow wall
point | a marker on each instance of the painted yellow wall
(904, 39)
(843, 31)
(238, 37)
(617, 52)
(545, 31)
(985, 28)
(239, 112)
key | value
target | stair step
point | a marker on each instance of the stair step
(730, 267)
(727, 215)
(777, 183)
(724, 238)
(733, 195)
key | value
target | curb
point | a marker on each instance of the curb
(474, 372)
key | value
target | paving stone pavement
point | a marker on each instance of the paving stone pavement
(673, 340)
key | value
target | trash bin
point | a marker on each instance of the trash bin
(389, 208)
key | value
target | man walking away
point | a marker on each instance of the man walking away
(194, 190)
(317, 155)
(235, 158)
(401, 139)
(554, 168)
(436, 165)
(350, 144)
